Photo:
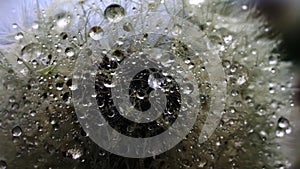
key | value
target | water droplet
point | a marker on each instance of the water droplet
(35, 25)
(15, 26)
(3, 165)
(272, 60)
(95, 32)
(154, 82)
(19, 36)
(75, 153)
(177, 30)
(283, 122)
(31, 51)
(244, 7)
(188, 88)
(127, 27)
(280, 132)
(62, 20)
(114, 13)
(16, 131)
(69, 51)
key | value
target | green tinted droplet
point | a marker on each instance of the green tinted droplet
(114, 13)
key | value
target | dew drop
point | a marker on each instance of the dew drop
(75, 153)
(19, 36)
(31, 51)
(16, 131)
(127, 27)
(95, 32)
(69, 51)
(3, 165)
(280, 132)
(14, 25)
(177, 30)
(283, 122)
(272, 60)
(35, 25)
(114, 13)
(62, 20)
(188, 88)
(244, 7)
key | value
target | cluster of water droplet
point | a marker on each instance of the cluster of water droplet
(37, 119)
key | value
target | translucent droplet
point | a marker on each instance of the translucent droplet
(69, 51)
(114, 13)
(244, 7)
(95, 32)
(177, 30)
(16, 131)
(75, 153)
(188, 88)
(196, 2)
(35, 25)
(31, 51)
(15, 26)
(19, 36)
(283, 123)
(62, 20)
(280, 132)
(3, 165)
(127, 27)
(272, 60)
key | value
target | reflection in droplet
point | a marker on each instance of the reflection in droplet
(62, 20)
(31, 51)
(127, 27)
(3, 165)
(16, 131)
(69, 51)
(95, 32)
(19, 36)
(114, 13)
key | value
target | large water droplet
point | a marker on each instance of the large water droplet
(69, 51)
(95, 32)
(62, 20)
(283, 122)
(3, 165)
(127, 27)
(19, 36)
(114, 13)
(16, 131)
(31, 51)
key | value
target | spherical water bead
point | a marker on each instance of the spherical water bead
(19, 36)
(62, 20)
(3, 165)
(95, 32)
(177, 30)
(35, 25)
(283, 123)
(114, 13)
(127, 27)
(283, 127)
(31, 51)
(69, 51)
(17, 131)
